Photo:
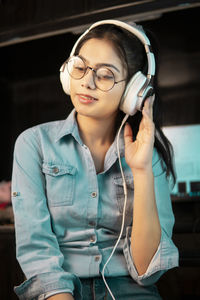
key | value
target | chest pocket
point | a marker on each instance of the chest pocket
(120, 194)
(60, 183)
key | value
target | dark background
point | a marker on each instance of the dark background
(36, 37)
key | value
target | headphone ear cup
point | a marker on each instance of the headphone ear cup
(130, 101)
(65, 79)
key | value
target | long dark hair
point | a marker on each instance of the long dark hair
(133, 57)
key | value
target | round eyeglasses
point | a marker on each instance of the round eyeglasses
(103, 77)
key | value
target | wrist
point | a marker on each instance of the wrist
(148, 171)
(61, 296)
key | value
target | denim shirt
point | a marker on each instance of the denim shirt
(68, 217)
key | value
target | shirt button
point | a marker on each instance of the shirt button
(15, 194)
(92, 239)
(55, 170)
(97, 258)
(93, 194)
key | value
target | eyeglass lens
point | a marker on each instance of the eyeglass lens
(103, 77)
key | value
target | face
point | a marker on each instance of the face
(86, 98)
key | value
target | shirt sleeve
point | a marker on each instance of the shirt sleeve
(49, 294)
(166, 256)
(37, 247)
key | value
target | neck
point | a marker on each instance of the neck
(96, 131)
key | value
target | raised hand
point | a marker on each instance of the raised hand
(138, 153)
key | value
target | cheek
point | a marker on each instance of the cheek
(72, 93)
(112, 100)
(117, 94)
(72, 86)
(73, 89)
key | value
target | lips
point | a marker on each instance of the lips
(86, 98)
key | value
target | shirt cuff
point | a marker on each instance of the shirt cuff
(49, 294)
(165, 258)
(40, 285)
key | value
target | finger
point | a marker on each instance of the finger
(148, 106)
(128, 134)
(147, 121)
(151, 105)
(146, 114)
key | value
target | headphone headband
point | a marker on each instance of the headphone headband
(134, 29)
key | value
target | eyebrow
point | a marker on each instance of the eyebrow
(102, 64)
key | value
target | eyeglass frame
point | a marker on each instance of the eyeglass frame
(94, 73)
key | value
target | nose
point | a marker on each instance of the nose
(88, 79)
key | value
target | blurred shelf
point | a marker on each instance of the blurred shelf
(185, 198)
(7, 228)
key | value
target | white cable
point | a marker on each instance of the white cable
(124, 208)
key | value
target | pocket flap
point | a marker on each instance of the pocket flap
(58, 169)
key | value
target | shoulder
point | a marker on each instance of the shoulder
(35, 136)
(45, 129)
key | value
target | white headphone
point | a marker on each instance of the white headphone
(140, 86)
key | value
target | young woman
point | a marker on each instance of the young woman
(67, 187)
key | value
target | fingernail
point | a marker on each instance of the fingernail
(148, 100)
(152, 98)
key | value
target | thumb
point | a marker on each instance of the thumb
(128, 134)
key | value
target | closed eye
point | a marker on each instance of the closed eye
(79, 68)
(104, 77)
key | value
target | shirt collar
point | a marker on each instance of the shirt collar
(121, 143)
(70, 126)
